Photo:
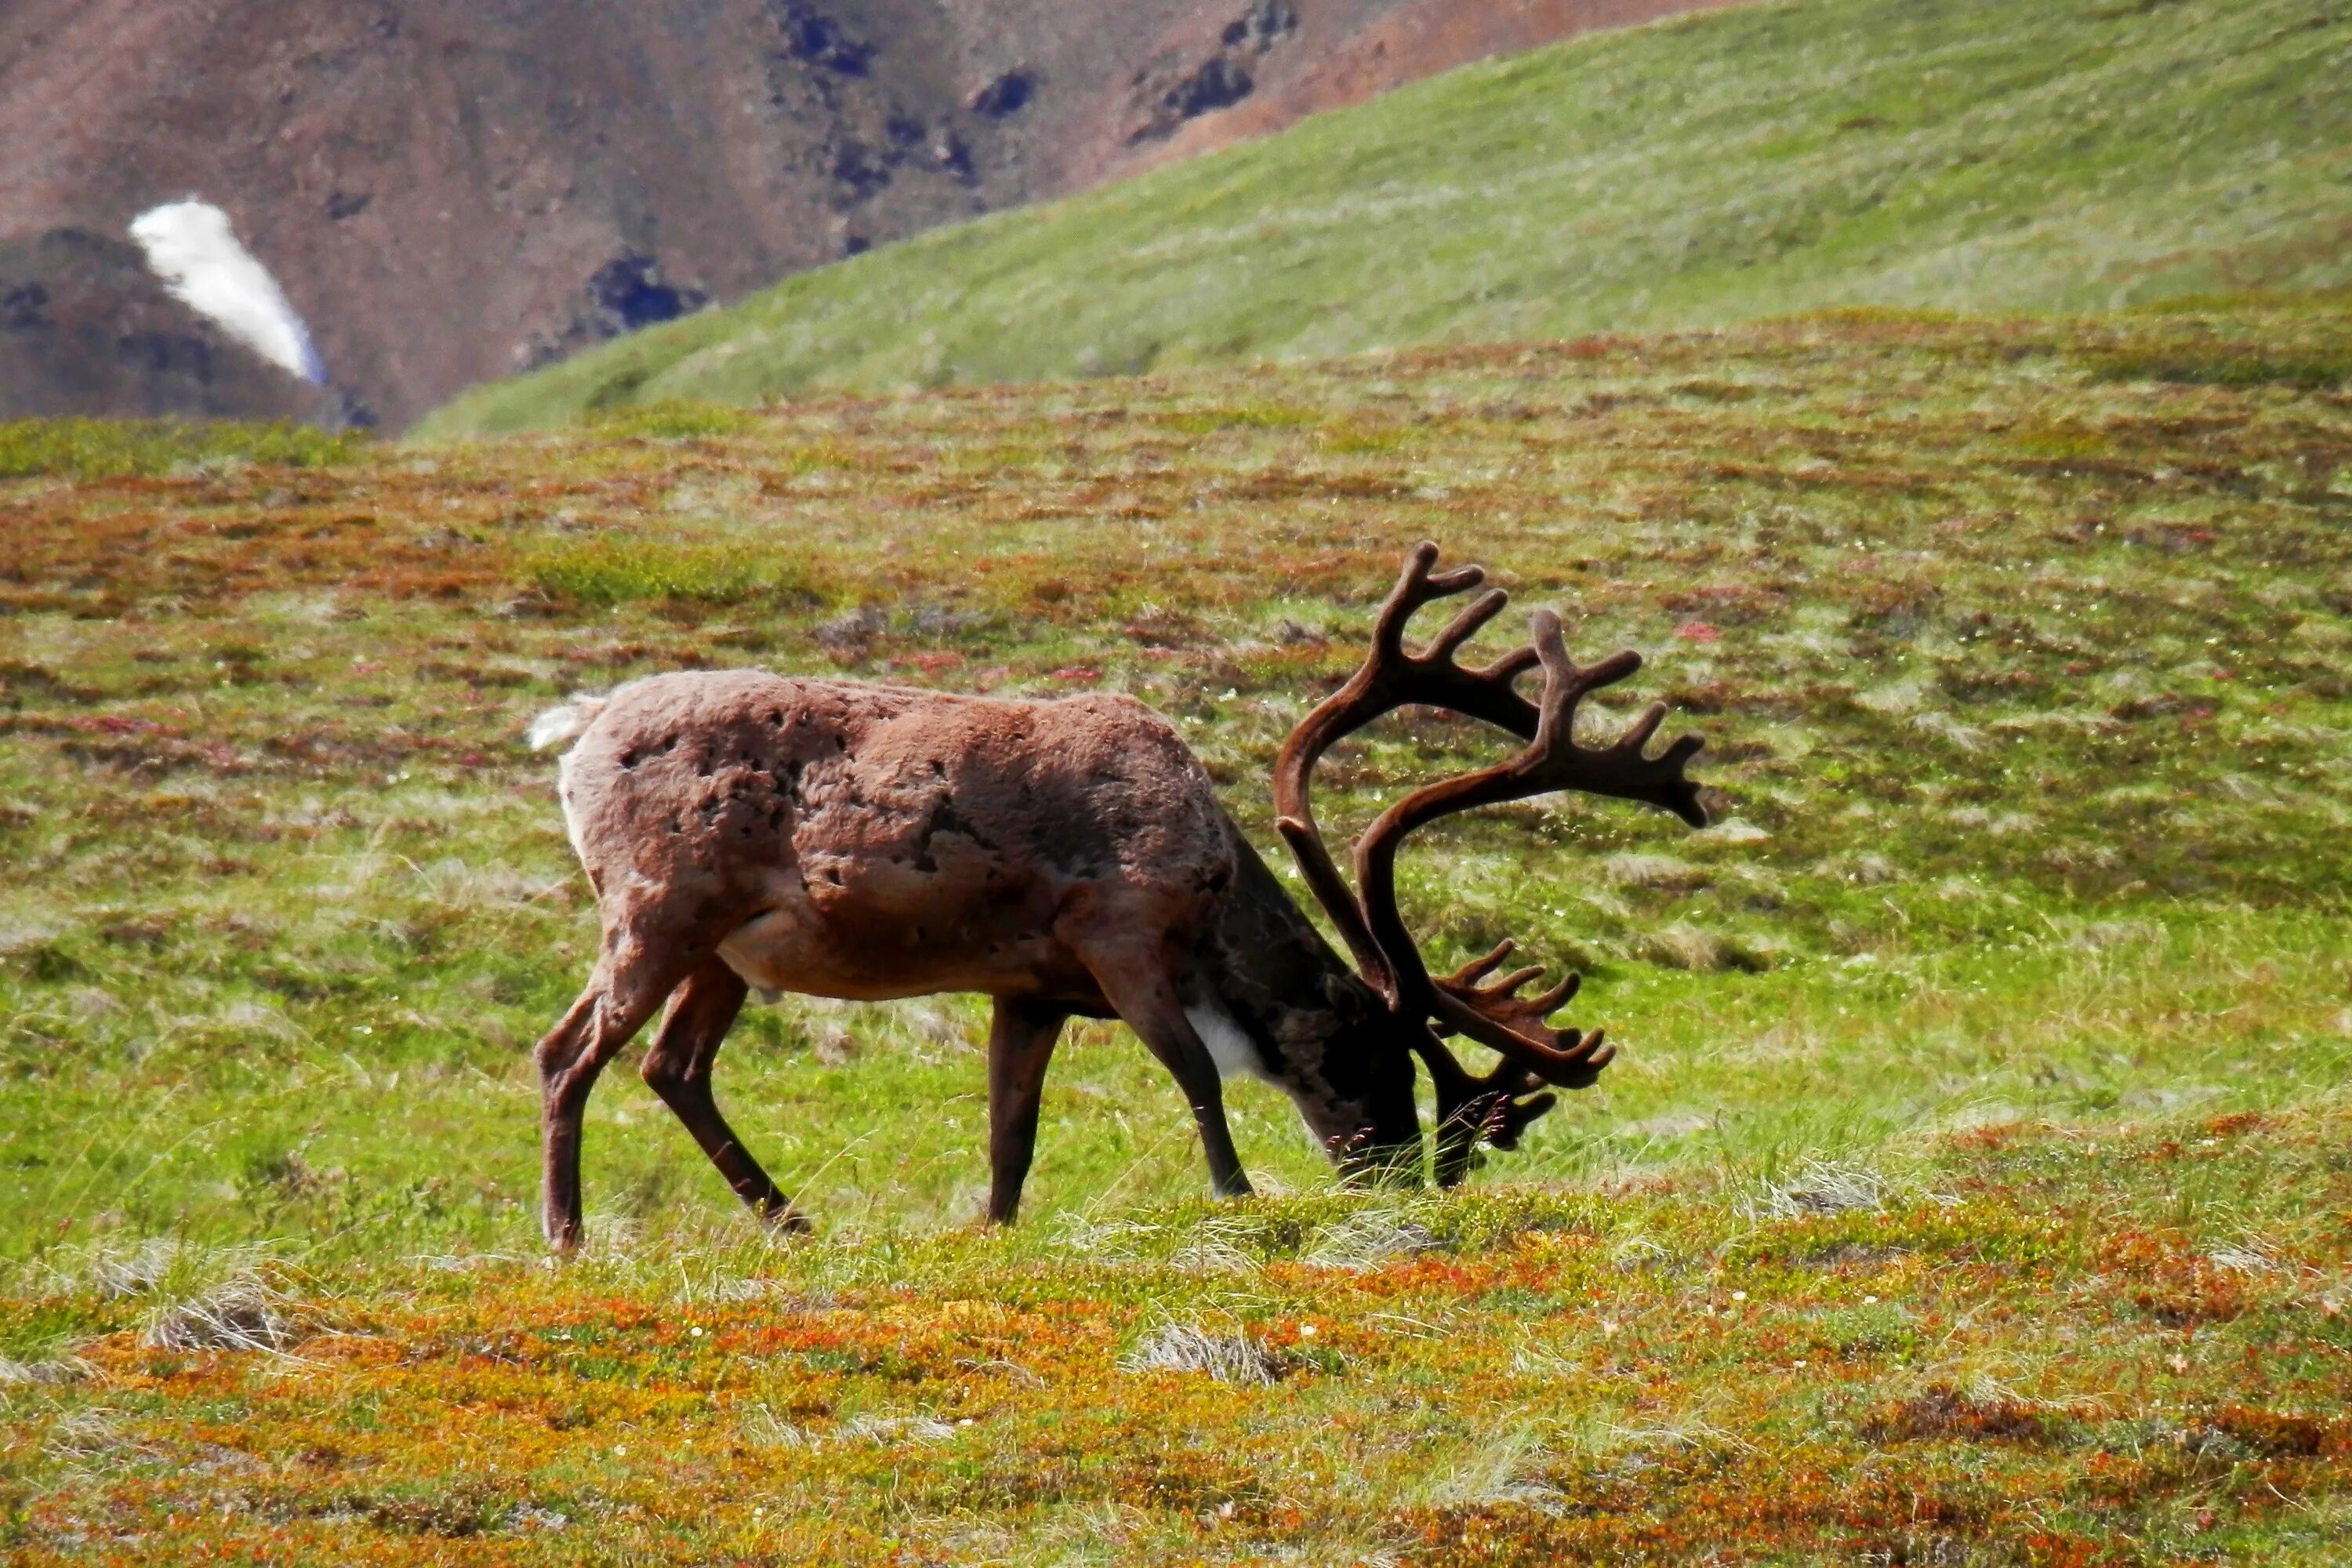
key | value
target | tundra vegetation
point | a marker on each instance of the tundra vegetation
(1972, 1185)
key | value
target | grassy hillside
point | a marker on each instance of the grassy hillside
(1992, 154)
(1972, 1187)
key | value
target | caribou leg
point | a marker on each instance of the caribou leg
(1021, 1041)
(615, 1006)
(678, 1069)
(1145, 998)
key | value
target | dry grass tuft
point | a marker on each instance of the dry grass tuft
(1656, 873)
(1366, 1238)
(243, 1314)
(879, 1428)
(1234, 1358)
(136, 1272)
(1821, 1188)
(48, 1372)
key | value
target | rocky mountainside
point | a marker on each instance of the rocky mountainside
(453, 190)
(86, 329)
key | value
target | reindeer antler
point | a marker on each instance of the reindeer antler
(1390, 678)
(1494, 1014)
(1467, 995)
(1489, 1010)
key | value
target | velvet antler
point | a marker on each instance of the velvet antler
(1390, 678)
(1472, 1001)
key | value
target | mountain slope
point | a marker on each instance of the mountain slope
(2006, 155)
(451, 192)
(85, 328)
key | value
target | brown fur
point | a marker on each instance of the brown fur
(868, 842)
(843, 839)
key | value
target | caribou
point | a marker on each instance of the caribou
(743, 831)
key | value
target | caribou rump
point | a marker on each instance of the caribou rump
(1064, 857)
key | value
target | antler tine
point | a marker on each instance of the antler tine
(1555, 762)
(1417, 586)
(1492, 1012)
(1389, 678)
(1495, 1107)
(1516, 1027)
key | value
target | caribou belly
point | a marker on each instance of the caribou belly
(800, 950)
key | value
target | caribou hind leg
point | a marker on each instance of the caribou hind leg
(619, 1000)
(679, 1070)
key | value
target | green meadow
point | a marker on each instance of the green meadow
(1971, 1186)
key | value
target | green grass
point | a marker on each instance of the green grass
(1996, 155)
(603, 573)
(1971, 1186)
(111, 449)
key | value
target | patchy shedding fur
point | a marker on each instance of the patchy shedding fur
(749, 833)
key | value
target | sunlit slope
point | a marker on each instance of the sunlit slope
(1971, 1186)
(2004, 155)
(2022, 651)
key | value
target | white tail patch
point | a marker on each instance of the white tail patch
(562, 726)
(192, 247)
(1233, 1051)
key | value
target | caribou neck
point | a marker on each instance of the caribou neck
(1320, 1033)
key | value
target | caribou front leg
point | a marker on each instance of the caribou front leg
(1020, 1043)
(1145, 999)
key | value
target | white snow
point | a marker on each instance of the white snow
(193, 247)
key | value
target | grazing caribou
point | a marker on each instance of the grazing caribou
(844, 839)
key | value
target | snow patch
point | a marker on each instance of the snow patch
(194, 248)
